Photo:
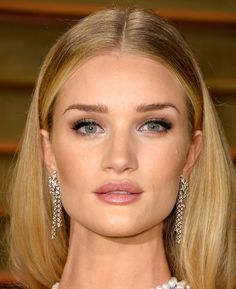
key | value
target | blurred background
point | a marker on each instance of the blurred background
(29, 28)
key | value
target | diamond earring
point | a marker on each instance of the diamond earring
(57, 205)
(182, 194)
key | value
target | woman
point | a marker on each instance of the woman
(141, 184)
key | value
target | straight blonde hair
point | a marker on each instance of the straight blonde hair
(206, 255)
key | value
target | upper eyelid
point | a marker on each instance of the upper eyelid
(143, 122)
(155, 119)
(93, 121)
(89, 120)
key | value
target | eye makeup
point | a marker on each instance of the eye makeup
(85, 123)
(160, 124)
(90, 127)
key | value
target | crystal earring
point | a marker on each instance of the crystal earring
(182, 194)
(57, 205)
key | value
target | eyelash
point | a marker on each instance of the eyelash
(165, 125)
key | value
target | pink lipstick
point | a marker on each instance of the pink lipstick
(119, 192)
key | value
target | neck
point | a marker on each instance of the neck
(96, 261)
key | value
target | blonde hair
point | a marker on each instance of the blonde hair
(206, 255)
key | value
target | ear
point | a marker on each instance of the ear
(193, 153)
(48, 155)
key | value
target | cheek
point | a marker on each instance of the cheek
(165, 159)
(163, 168)
(76, 164)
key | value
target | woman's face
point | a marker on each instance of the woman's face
(141, 135)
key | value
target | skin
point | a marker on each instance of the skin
(115, 246)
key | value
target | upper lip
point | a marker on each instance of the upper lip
(125, 186)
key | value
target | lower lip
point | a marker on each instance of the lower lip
(118, 199)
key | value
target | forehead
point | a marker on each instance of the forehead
(121, 81)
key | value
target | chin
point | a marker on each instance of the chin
(116, 225)
(118, 232)
(119, 229)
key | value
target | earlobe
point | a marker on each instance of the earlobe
(193, 153)
(48, 155)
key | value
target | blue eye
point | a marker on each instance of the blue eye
(157, 125)
(88, 127)
(85, 127)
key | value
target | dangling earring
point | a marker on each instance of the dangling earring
(182, 194)
(57, 205)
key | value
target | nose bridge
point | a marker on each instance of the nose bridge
(120, 152)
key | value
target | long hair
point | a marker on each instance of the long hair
(206, 255)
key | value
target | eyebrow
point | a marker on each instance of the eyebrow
(101, 108)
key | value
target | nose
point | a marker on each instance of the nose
(120, 154)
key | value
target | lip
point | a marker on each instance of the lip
(113, 186)
(111, 192)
